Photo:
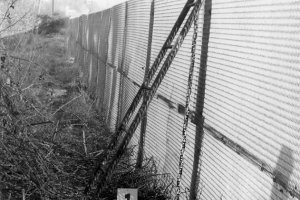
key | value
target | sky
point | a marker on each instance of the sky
(75, 8)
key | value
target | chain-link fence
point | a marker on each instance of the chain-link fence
(242, 141)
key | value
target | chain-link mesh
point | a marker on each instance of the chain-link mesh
(242, 140)
(252, 99)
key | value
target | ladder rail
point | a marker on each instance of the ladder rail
(110, 166)
(141, 92)
(152, 72)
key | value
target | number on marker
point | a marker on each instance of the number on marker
(127, 196)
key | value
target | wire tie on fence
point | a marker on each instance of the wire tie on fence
(262, 167)
(223, 139)
(136, 84)
(192, 4)
(199, 120)
(145, 87)
(169, 47)
(293, 192)
(122, 128)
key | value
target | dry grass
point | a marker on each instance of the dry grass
(50, 143)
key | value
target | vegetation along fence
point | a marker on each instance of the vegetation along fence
(220, 86)
(17, 16)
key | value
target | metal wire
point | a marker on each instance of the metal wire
(187, 104)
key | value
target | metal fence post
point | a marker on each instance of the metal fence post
(90, 56)
(140, 155)
(103, 81)
(200, 101)
(123, 73)
(79, 42)
(114, 54)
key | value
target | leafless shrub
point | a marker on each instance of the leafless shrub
(50, 145)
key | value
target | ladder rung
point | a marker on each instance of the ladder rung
(192, 4)
(145, 87)
(169, 47)
(122, 127)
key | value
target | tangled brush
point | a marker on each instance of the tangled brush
(40, 160)
(55, 160)
(50, 148)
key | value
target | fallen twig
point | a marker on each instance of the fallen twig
(13, 24)
(23, 194)
(41, 123)
(84, 142)
(24, 59)
(61, 107)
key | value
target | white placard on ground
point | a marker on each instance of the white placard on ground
(127, 194)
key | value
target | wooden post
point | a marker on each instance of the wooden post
(200, 101)
(140, 155)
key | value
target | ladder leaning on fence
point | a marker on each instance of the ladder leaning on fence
(109, 158)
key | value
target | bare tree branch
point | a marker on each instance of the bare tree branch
(7, 11)
(61, 107)
(11, 25)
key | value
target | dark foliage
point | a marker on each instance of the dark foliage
(49, 25)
